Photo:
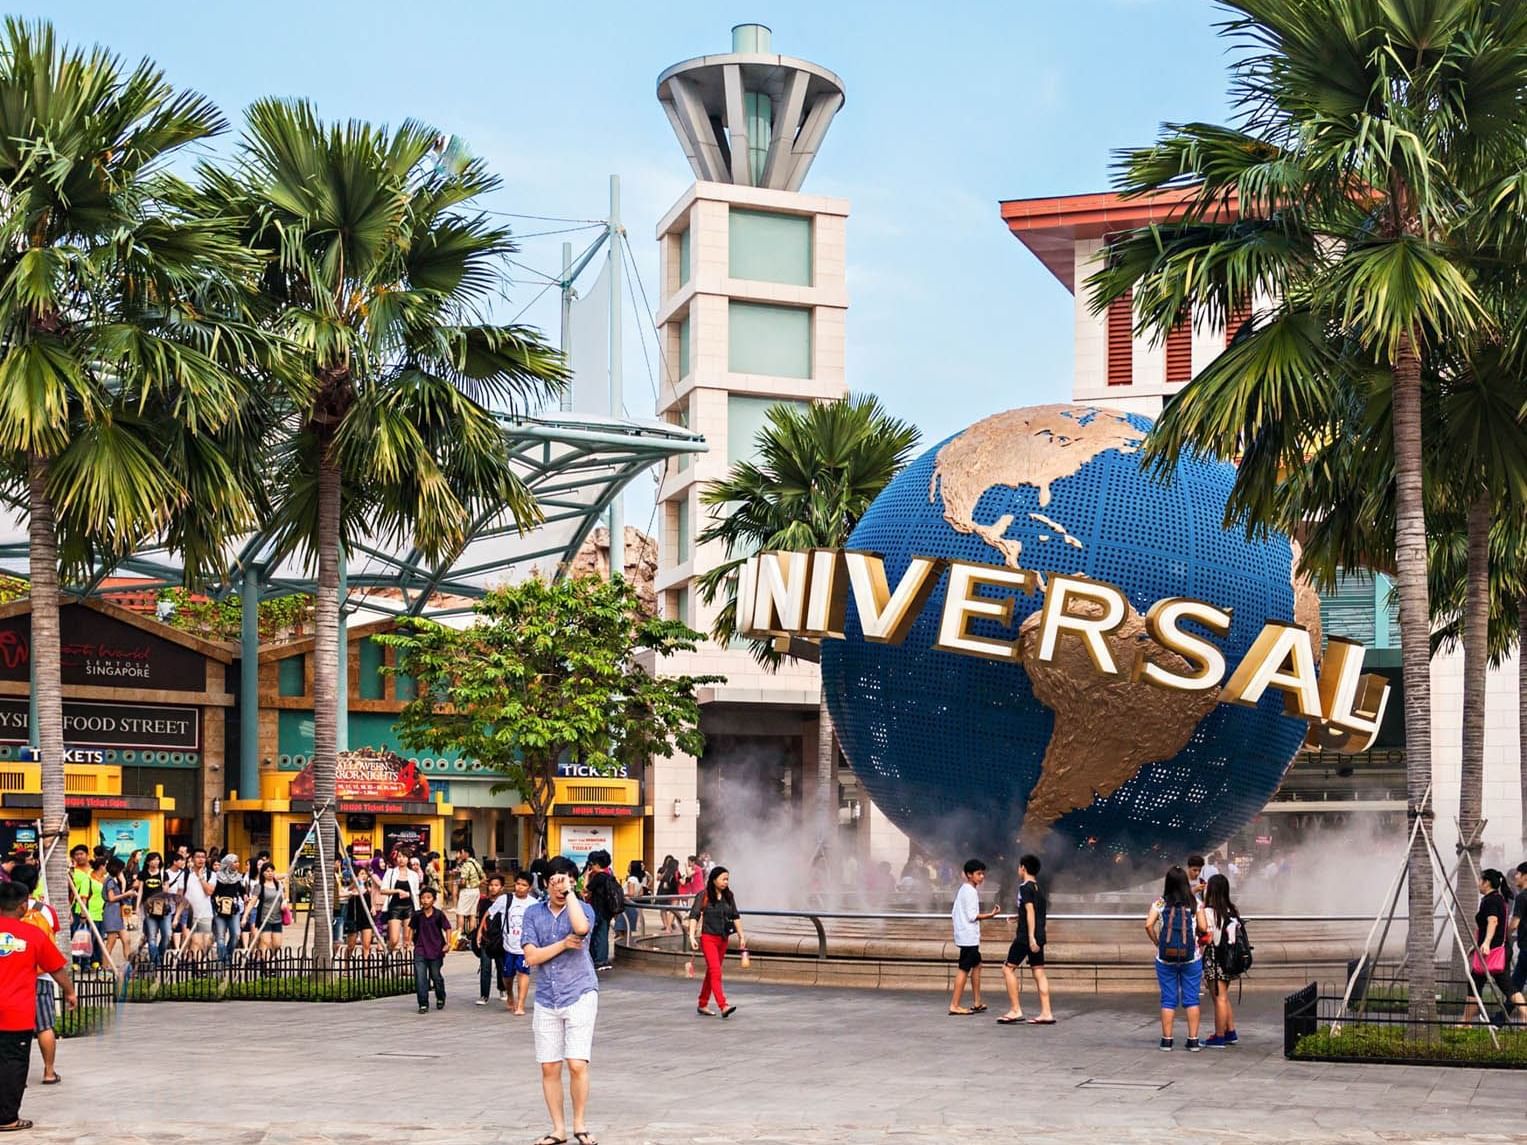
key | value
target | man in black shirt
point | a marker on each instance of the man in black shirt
(1028, 946)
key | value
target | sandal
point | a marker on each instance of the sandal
(550, 1139)
(961, 1013)
(16, 1126)
(1007, 1020)
(980, 1009)
(584, 1137)
(54, 1080)
(1041, 1021)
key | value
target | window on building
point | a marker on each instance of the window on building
(679, 416)
(684, 347)
(767, 247)
(681, 605)
(1362, 607)
(745, 417)
(684, 255)
(1179, 351)
(1121, 340)
(681, 529)
(371, 685)
(770, 340)
(290, 674)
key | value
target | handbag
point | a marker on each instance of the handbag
(1494, 962)
(79, 943)
(286, 916)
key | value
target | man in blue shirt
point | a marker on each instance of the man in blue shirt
(567, 1002)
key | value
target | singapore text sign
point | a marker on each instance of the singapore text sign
(783, 594)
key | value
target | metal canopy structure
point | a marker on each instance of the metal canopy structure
(574, 464)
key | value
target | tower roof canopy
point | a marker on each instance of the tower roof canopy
(750, 117)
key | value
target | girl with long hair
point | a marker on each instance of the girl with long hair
(1174, 924)
(1490, 959)
(1223, 918)
(667, 887)
(264, 910)
(155, 906)
(713, 919)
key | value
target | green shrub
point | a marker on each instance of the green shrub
(1359, 1041)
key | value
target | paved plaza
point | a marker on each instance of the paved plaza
(794, 1065)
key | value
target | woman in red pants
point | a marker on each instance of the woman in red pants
(712, 920)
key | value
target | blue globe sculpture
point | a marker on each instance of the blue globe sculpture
(1103, 776)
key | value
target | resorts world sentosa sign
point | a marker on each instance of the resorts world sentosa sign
(784, 594)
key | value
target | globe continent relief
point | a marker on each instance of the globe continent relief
(1102, 775)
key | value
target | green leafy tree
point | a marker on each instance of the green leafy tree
(1371, 136)
(381, 273)
(547, 674)
(817, 470)
(123, 366)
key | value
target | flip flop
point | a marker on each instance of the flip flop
(981, 1009)
(54, 1080)
(1009, 1021)
(584, 1137)
(16, 1126)
(961, 1013)
(1041, 1021)
(549, 1139)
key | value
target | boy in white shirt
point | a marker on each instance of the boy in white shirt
(516, 972)
(966, 917)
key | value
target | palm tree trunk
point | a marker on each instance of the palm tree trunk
(1521, 706)
(327, 681)
(827, 777)
(1415, 646)
(1476, 652)
(42, 561)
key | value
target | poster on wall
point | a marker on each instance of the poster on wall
(580, 842)
(18, 835)
(123, 836)
(414, 837)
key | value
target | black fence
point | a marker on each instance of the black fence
(97, 992)
(284, 976)
(1376, 1026)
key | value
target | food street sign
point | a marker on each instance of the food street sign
(159, 726)
(806, 594)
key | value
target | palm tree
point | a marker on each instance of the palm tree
(1369, 133)
(381, 273)
(817, 470)
(116, 371)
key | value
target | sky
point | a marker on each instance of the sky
(950, 108)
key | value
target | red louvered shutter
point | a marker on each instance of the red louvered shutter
(1121, 348)
(1240, 314)
(1179, 351)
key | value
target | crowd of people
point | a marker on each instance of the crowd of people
(1201, 940)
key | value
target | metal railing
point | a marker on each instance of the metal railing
(284, 976)
(679, 904)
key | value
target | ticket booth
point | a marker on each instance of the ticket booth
(593, 812)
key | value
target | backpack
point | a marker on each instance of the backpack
(610, 899)
(1234, 954)
(1178, 940)
(493, 935)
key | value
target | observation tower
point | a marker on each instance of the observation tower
(752, 311)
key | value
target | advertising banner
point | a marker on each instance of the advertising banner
(123, 836)
(580, 842)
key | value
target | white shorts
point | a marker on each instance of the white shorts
(466, 901)
(566, 1032)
